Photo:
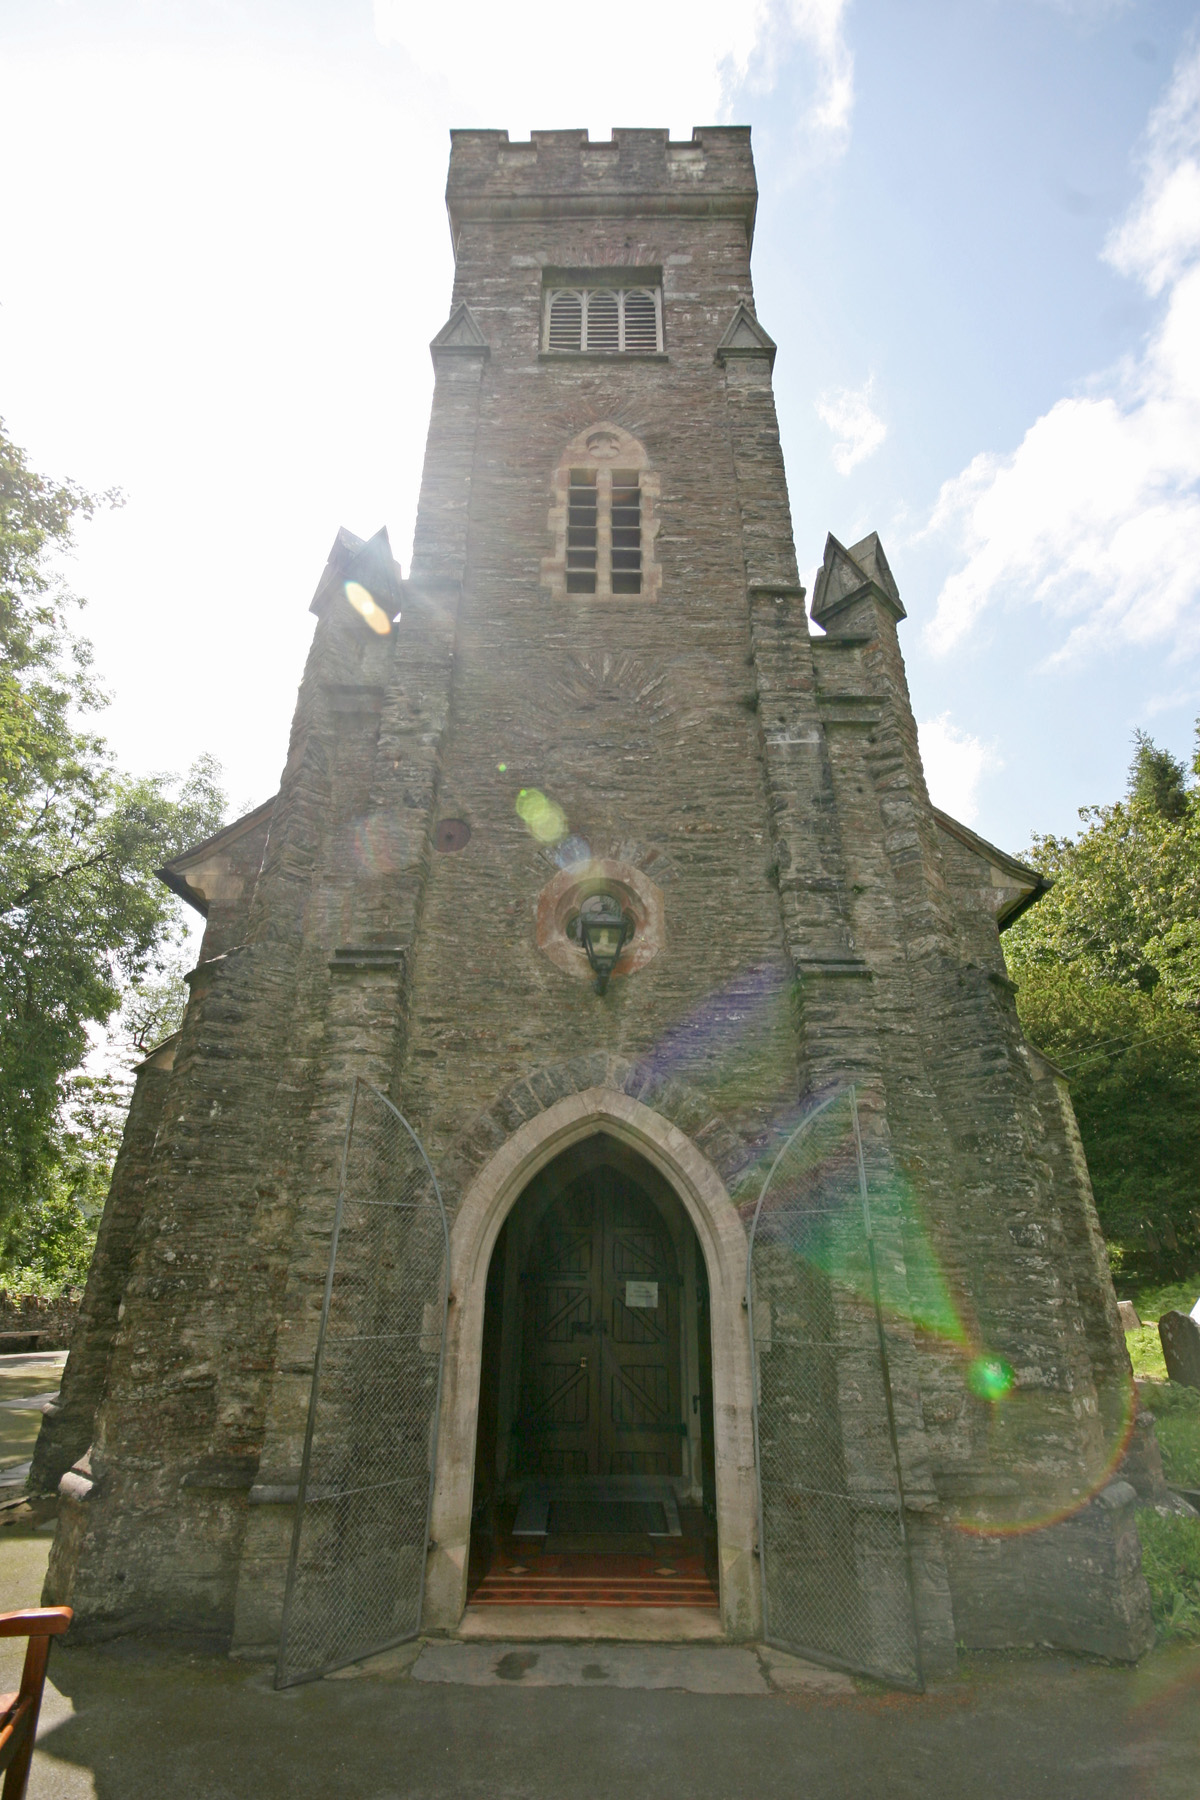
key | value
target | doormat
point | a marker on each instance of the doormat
(607, 1518)
(637, 1507)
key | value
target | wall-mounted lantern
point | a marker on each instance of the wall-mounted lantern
(603, 930)
(626, 926)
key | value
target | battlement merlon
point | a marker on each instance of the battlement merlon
(563, 174)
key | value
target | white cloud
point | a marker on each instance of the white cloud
(1089, 10)
(1096, 515)
(1161, 236)
(955, 763)
(854, 422)
(508, 67)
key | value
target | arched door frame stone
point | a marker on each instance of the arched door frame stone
(485, 1206)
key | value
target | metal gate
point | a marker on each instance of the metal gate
(837, 1575)
(356, 1575)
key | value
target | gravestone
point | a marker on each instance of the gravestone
(1180, 1337)
(1129, 1317)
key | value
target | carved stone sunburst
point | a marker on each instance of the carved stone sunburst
(608, 677)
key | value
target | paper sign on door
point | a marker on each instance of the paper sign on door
(641, 1293)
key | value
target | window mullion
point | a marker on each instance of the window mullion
(604, 531)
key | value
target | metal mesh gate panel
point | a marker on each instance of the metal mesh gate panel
(357, 1570)
(837, 1581)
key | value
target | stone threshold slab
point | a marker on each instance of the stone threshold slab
(693, 1668)
(628, 1624)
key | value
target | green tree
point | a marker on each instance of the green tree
(83, 917)
(1108, 966)
(47, 1246)
(1126, 896)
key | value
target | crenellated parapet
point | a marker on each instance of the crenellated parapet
(564, 174)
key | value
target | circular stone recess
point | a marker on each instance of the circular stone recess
(559, 902)
(452, 834)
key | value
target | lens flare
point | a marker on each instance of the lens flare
(919, 1304)
(571, 851)
(364, 604)
(546, 820)
(990, 1378)
(736, 1047)
(502, 767)
(381, 845)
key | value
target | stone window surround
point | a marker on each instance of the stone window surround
(603, 447)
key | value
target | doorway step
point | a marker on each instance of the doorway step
(611, 1624)
(600, 1548)
(596, 1578)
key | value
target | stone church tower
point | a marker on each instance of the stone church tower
(596, 714)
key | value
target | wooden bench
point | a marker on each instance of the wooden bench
(19, 1711)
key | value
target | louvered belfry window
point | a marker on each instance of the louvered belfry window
(613, 321)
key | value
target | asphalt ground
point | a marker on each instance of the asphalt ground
(135, 1719)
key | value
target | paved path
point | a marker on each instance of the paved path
(129, 1721)
(690, 1668)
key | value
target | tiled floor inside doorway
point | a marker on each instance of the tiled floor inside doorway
(597, 1570)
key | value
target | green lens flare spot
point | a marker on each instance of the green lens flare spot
(991, 1378)
(502, 767)
(546, 820)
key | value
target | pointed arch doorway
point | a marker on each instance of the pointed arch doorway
(594, 1456)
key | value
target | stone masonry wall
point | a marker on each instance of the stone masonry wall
(50, 1321)
(768, 782)
(68, 1427)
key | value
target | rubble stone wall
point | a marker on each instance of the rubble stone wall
(819, 928)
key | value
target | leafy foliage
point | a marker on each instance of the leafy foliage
(1125, 907)
(1171, 1565)
(83, 917)
(1108, 966)
(153, 1007)
(1146, 1353)
(48, 1244)
(1133, 1063)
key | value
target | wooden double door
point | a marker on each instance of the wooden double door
(600, 1369)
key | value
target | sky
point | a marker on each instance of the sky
(978, 248)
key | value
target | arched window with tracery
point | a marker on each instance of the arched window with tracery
(604, 519)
